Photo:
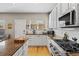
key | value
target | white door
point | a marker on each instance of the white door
(20, 27)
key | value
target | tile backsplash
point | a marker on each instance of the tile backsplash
(72, 32)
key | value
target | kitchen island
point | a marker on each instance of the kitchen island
(9, 47)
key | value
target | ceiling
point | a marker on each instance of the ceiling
(26, 7)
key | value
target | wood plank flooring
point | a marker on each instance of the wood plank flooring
(38, 51)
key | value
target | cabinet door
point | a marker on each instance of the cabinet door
(55, 17)
(50, 21)
(37, 40)
(25, 49)
(72, 5)
(64, 7)
(58, 9)
(58, 14)
(52, 18)
(19, 52)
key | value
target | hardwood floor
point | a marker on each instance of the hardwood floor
(38, 51)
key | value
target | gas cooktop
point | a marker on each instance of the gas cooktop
(69, 46)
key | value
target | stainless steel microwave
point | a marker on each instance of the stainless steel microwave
(69, 18)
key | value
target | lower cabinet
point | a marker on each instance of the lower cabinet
(19, 52)
(22, 51)
(37, 40)
(25, 49)
(55, 49)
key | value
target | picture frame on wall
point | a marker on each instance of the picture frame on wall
(9, 26)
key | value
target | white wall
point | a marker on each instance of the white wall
(10, 17)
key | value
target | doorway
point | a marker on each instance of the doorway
(20, 28)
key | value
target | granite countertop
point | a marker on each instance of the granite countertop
(56, 37)
(9, 47)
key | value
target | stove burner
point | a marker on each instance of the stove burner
(68, 45)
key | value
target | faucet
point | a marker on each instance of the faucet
(65, 36)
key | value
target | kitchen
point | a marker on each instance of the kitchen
(52, 28)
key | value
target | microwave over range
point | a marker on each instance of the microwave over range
(70, 18)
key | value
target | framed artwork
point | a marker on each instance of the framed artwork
(41, 26)
(33, 26)
(9, 26)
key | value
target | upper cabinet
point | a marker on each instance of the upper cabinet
(50, 21)
(54, 18)
(72, 5)
(58, 9)
(64, 7)
(69, 15)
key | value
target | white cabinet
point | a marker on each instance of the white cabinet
(64, 7)
(58, 14)
(58, 9)
(72, 5)
(54, 17)
(25, 49)
(50, 21)
(19, 52)
(37, 40)
(77, 15)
